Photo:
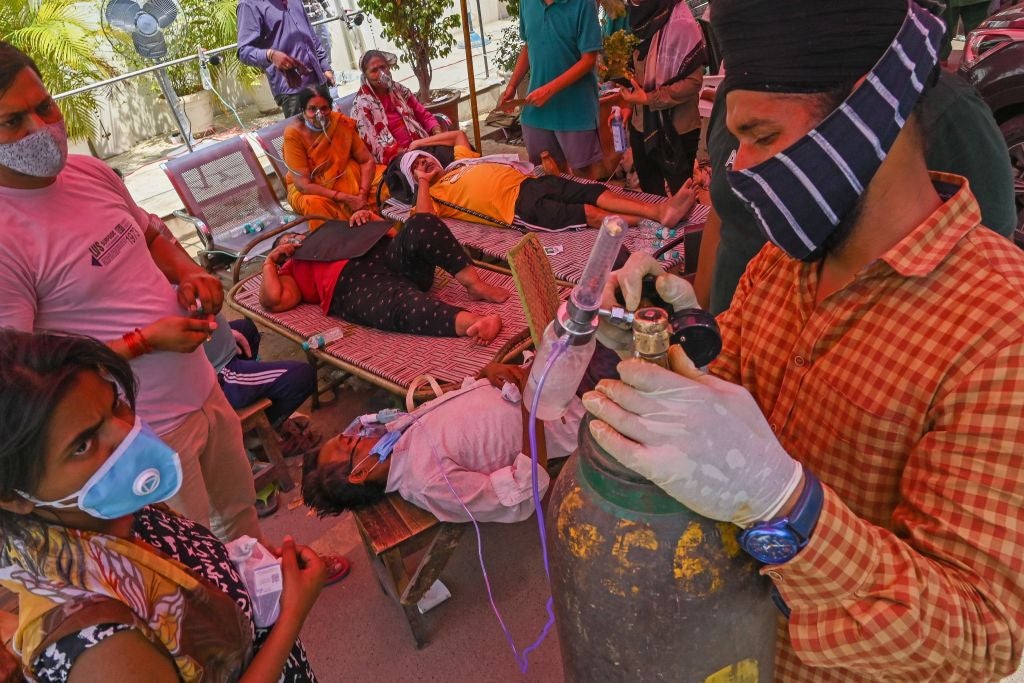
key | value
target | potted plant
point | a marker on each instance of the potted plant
(616, 56)
(422, 31)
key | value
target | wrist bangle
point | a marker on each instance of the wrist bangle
(136, 343)
(146, 346)
(270, 53)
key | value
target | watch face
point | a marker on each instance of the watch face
(771, 546)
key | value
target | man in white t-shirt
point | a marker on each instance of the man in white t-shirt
(79, 256)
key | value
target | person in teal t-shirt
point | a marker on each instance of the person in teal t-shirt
(562, 39)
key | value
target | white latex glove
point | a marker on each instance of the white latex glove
(676, 292)
(701, 439)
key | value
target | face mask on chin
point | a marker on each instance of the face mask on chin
(41, 154)
(802, 195)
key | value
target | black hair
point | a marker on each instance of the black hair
(308, 93)
(326, 488)
(12, 62)
(36, 373)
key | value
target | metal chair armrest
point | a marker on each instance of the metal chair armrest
(237, 267)
(446, 123)
(202, 229)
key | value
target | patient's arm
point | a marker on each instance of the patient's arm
(451, 138)
(424, 203)
(279, 292)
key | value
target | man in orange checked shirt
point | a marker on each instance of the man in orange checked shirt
(863, 423)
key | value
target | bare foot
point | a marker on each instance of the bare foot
(485, 329)
(482, 291)
(676, 207)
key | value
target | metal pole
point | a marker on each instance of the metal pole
(483, 39)
(176, 108)
(469, 71)
(161, 65)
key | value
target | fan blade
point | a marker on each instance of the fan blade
(150, 46)
(164, 11)
(120, 14)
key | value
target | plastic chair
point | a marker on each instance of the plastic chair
(228, 197)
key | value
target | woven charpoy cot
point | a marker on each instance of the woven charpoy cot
(495, 242)
(393, 360)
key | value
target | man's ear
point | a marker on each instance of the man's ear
(16, 504)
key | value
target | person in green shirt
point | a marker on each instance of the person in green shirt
(562, 39)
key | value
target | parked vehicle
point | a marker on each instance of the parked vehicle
(993, 61)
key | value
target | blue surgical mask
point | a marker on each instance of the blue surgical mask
(802, 194)
(141, 471)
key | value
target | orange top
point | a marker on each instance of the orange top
(328, 160)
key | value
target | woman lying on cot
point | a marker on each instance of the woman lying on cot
(113, 585)
(498, 189)
(386, 288)
(330, 171)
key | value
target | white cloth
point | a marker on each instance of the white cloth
(677, 44)
(478, 436)
(511, 160)
(75, 259)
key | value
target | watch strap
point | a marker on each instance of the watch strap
(804, 516)
(796, 527)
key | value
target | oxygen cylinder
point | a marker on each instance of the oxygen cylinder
(647, 590)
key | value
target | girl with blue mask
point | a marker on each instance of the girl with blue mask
(84, 536)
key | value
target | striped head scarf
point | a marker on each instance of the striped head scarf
(802, 194)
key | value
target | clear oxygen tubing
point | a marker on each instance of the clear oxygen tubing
(522, 658)
(249, 132)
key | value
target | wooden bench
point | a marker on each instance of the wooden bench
(392, 530)
(254, 418)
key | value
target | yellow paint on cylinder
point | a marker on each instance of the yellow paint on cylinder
(744, 671)
(628, 537)
(730, 541)
(696, 576)
(580, 538)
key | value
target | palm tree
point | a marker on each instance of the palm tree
(66, 46)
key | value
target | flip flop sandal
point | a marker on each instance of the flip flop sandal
(267, 500)
(338, 568)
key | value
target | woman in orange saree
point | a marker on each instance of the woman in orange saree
(330, 171)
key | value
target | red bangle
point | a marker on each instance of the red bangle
(146, 347)
(136, 343)
(129, 340)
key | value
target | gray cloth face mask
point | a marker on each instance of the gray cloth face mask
(41, 154)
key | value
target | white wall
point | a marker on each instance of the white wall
(136, 111)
